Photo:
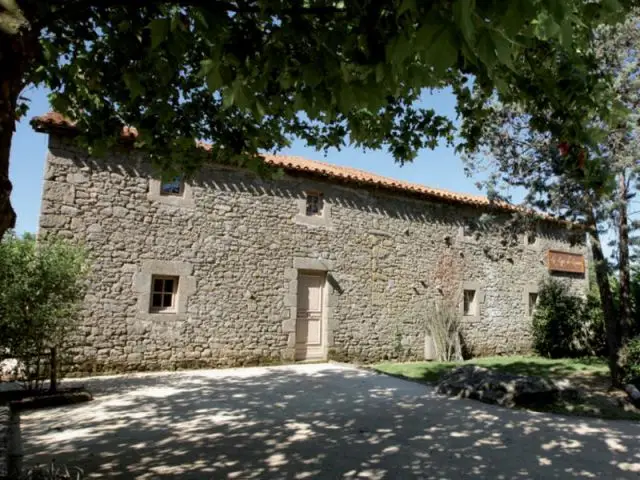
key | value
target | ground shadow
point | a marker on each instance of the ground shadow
(315, 421)
(432, 372)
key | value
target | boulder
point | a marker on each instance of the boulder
(634, 394)
(490, 386)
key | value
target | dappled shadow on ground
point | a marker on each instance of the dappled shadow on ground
(315, 421)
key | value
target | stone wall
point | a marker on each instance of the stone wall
(235, 239)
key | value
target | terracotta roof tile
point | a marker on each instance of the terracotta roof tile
(51, 120)
(54, 121)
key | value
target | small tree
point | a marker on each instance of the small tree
(557, 321)
(445, 329)
(41, 286)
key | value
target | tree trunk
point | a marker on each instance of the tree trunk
(17, 52)
(7, 127)
(623, 260)
(53, 371)
(612, 325)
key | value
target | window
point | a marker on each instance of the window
(172, 187)
(314, 204)
(470, 303)
(531, 238)
(163, 293)
(533, 299)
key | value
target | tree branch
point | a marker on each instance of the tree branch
(58, 8)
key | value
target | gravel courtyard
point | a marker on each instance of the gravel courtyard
(315, 421)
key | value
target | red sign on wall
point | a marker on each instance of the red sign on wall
(565, 262)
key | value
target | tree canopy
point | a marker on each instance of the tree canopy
(250, 75)
(590, 179)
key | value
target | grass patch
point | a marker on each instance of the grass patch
(590, 375)
(542, 367)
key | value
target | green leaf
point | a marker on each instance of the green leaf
(503, 48)
(159, 31)
(514, 18)
(311, 76)
(133, 84)
(254, 163)
(380, 72)
(557, 9)
(406, 5)
(399, 49)
(200, 19)
(550, 28)
(443, 51)
(501, 85)
(227, 98)
(214, 79)
(259, 110)
(176, 22)
(566, 33)
(486, 50)
(463, 11)
(429, 27)
(612, 5)
(241, 94)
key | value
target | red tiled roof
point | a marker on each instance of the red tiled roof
(52, 122)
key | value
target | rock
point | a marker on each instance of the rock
(489, 386)
(634, 394)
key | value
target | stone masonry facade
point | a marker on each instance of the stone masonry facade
(237, 242)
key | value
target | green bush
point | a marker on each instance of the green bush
(630, 360)
(558, 322)
(594, 335)
(41, 286)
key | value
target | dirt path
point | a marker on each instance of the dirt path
(316, 421)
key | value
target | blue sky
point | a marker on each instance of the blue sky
(437, 168)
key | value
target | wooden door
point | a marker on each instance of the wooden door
(309, 321)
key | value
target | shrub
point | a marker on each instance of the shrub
(593, 331)
(444, 327)
(53, 472)
(630, 360)
(41, 285)
(557, 321)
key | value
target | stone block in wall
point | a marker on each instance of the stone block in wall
(53, 221)
(58, 192)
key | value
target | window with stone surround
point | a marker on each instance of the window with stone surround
(164, 290)
(172, 187)
(314, 204)
(533, 300)
(470, 306)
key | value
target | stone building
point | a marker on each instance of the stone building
(325, 262)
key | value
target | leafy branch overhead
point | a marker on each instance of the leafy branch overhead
(574, 159)
(250, 75)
